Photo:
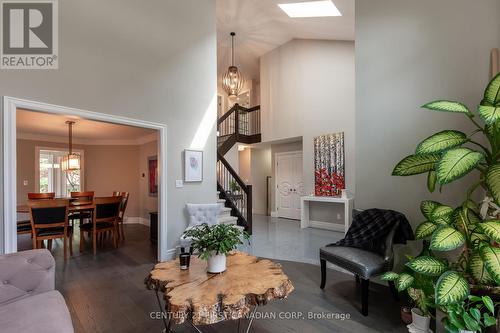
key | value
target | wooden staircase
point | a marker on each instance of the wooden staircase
(238, 125)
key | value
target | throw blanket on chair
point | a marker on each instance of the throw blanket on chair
(370, 227)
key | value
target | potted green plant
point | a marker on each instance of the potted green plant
(214, 242)
(234, 187)
(470, 316)
(446, 157)
(420, 289)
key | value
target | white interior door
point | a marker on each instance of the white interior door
(289, 184)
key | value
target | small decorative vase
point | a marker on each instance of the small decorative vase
(420, 323)
(216, 263)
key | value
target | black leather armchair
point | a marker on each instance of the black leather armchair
(364, 264)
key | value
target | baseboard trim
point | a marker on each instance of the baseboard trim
(171, 254)
(274, 214)
(136, 220)
(327, 225)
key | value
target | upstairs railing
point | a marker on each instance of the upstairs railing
(239, 124)
(237, 194)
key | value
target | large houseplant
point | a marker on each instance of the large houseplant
(214, 242)
(446, 157)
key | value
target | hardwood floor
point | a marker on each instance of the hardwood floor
(106, 293)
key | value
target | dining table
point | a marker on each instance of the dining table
(75, 205)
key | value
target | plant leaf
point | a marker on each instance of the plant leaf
(427, 265)
(489, 304)
(493, 182)
(456, 163)
(478, 270)
(476, 314)
(441, 141)
(451, 287)
(427, 206)
(491, 229)
(492, 92)
(390, 276)
(448, 106)
(442, 215)
(431, 180)
(404, 281)
(446, 239)
(470, 323)
(491, 259)
(441, 211)
(490, 114)
(415, 164)
(489, 320)
(424, 230)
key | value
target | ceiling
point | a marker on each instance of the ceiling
(51, 127)
(261, 26)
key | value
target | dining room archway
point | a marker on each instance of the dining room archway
(10, 107)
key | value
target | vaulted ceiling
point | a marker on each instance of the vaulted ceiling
(261, 26)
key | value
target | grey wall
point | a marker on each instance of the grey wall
(138, 59)
(307, 89)
(409, 53)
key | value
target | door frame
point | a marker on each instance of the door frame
(9, 106)
(276, 155)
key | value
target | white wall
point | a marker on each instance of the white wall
(409, 53)
(138, 59)
(261, 168)
(307, 89)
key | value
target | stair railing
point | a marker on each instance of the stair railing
(239, 124)
(237, 194)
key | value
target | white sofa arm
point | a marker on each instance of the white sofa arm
(26, 273)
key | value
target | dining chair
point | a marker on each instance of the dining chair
(24, 226)
(49, 220)
(123, 207)
(105, 218)
(81, 197)
(41, 196)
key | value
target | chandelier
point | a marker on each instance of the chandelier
(232, 80)
(71, 161)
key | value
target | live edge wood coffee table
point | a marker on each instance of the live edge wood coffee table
(201, 298)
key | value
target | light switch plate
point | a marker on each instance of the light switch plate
(25, 183)
(179, 184)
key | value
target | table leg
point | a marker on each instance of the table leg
(251, 319)
(167, 324)
(239, 322)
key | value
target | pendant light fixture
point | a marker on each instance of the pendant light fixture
(71, 161)
(232, 80)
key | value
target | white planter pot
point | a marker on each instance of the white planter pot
(420, 323)
(465, 331)
(216, 263)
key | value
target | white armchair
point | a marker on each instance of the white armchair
(199, 214)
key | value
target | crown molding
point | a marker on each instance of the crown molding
(89, 142)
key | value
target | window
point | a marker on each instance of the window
(50, 177)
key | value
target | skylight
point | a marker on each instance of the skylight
(310, 9)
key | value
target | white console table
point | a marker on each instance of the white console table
(305, 221)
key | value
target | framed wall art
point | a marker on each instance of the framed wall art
(153, 176)
(329, 164)
(193, 165)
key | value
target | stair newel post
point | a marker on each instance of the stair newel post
(249, 209)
